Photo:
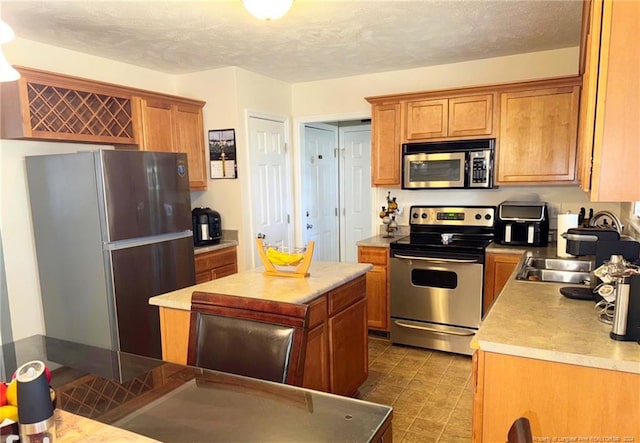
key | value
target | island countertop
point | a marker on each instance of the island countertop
(532, 319)
(324, 276)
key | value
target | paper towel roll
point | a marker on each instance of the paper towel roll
(565, 221)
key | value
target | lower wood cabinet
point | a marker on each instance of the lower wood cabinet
(563, 402)
(316, 364)
(337, 353)
(497, 270)
(216, 264)
(377, 286)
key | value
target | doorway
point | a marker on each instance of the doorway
(336, 187)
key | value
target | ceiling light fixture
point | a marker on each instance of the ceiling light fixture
(7, 73)
(267, 9)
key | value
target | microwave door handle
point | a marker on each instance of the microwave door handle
(436, 260)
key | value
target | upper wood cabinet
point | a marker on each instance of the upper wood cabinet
(534, 124)
(173, 125)
(47, 106)
(538, 133)
(610, 117)
(448, 117)
(385, 144)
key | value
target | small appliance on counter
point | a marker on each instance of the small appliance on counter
(522, 223)
(600, 243)
(207, 227)
(626, 320)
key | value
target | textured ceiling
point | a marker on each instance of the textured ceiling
(317, 39)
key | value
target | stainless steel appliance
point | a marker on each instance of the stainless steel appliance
(448, 165)
(207, 226)
(522, 223)
(626, 320)
(112, 228)
(437, 277)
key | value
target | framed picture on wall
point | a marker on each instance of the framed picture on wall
(222, 153)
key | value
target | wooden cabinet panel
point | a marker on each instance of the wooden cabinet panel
(426, 119)
(377, 286)
(448, 117)
(538, 132)
(497, 270)
(348, 351)
(48, 106)
(172, 126)
(346, 295)
(189, 138)
(216, 264)
(385, 145)
(316, 363)
(377, 299)
(561, 400)
(174, 329)
(156, 120)
(609, 129)
(471, 116)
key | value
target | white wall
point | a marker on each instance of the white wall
(32, 54)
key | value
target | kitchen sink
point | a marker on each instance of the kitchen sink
(558, 264)
(556, 270)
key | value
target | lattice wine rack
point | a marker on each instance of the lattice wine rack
(60, 110)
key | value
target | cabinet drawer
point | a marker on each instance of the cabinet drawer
(375, 256)
(225, 270)
(215, 259)
(317, 311)
(347, 294)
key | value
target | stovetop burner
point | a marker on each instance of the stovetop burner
(448, 230)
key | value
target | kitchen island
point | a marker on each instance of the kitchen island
(549, 358)
(106, 396)
(336, 358)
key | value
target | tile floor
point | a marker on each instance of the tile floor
(430, 391)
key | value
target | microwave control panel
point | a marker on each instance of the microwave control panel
(480, 161)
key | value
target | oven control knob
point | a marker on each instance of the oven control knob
(487, 217)
(424, 215)
(478, 216)
(414, 215)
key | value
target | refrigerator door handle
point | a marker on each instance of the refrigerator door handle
(134, 242)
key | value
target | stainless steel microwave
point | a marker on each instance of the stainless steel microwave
(460, 164)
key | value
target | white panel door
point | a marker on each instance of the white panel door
(355, 173)
(320, 191)
(270, 184)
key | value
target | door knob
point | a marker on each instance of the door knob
(309, 226)
(260, 235)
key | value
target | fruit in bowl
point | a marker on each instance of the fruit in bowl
(282, 258)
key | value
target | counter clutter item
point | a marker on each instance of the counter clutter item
(565, 222)
(277, 269)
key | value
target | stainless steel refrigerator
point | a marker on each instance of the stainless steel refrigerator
(112, 228)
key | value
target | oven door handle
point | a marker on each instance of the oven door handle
(437, 331)
(436, 260)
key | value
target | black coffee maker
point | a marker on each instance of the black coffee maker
(207, 227)
(600, 243)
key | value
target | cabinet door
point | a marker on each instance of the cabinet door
(538, 131)
(156, 120)
(616, 157)
(471, 116)
(426, 119)
(348, 349)
(385, 145)
(316, 363)
(189, 138)
(377, 286)
(215, 264)
(498, 268)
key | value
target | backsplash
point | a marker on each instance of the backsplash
(560, 199)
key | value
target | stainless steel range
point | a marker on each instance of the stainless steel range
(437, 275)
